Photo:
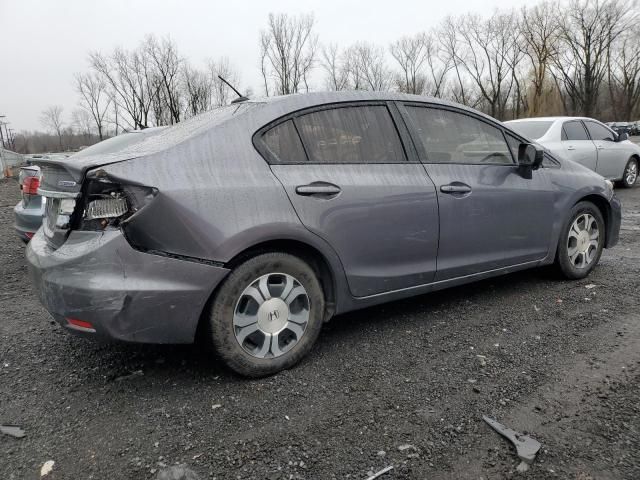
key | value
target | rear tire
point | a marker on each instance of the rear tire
(581, 241)
(630, 174)
(267, 314)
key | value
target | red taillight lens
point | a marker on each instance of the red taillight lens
(30, 185)
(80, 324)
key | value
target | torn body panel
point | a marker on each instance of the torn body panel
(125, 294)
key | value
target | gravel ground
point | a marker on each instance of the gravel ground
(394, 385)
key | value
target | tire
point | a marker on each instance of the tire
(577, 255)
(630, 174)
(241, 305)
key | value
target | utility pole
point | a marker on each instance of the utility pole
(12, 139)
(6, 133)
(1, 136)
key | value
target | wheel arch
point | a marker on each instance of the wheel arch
(327, 272)
(605, 209)
(310, 254)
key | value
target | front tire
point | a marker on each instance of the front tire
(267, 314)
(630, 174)
(581, 241)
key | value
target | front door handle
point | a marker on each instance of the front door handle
(571, 147)
(455, 188)
(323, 189)
(600, 147)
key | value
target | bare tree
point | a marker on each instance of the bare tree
(221, 93)
(165, 64)
(336, 68)
(487, 48)
(540, 34)
(287, 52)
(588, 29)
(449, 35)
(128, 74)
(51, 118)
(94, 98)
(439, 64)
(624, 74)
(410, 52)
(368, 68)
(82, 121)
(198, 87)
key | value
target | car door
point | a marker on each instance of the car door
(352, 183)
(612, 155)
(577, 145)
(491, 216)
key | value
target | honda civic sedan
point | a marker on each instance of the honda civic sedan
(250, 226)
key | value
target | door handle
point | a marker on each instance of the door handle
(455, 188)
(571, 147)
(318, 188)
(600, 147)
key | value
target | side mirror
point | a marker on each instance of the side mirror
(622, 137)
(529, 157)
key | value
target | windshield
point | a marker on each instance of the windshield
(120, 142)
(533, 129)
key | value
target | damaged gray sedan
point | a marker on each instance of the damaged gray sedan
(251, 225)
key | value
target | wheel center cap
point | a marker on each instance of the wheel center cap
(583, 241)
(273, 315)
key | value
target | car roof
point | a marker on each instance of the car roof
(549, 119)
(297, 101)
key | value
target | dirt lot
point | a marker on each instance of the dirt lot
(562, 362)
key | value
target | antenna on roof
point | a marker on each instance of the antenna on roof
(241, 98)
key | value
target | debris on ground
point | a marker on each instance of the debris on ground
(46, 468)
(381, 472)
(526, 447)
(482, 359)
(406, 446)
(590, 286)
(177, 472)
(12, 431)
(137, 373)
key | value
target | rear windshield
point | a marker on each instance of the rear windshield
(118, 143)
(533, 129)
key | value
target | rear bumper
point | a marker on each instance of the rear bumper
(615, 218)
(27, 220)
(97, 277)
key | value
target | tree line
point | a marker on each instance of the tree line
(573, 57)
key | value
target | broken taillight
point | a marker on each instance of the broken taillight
(107, 201)
(30, 185)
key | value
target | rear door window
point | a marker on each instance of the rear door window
(284, 143)
(574, 130)
(599, 132)
(454, 137)
(353, 134)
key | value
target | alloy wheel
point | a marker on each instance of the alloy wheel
(271, 315)
(583, 240)
(631, 173)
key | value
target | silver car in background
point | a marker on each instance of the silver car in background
(587, 142)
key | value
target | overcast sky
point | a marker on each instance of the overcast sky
(43, 43)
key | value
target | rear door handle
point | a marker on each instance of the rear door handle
(600, 147)
(455, 188)
(319, 189)
(571, 147)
